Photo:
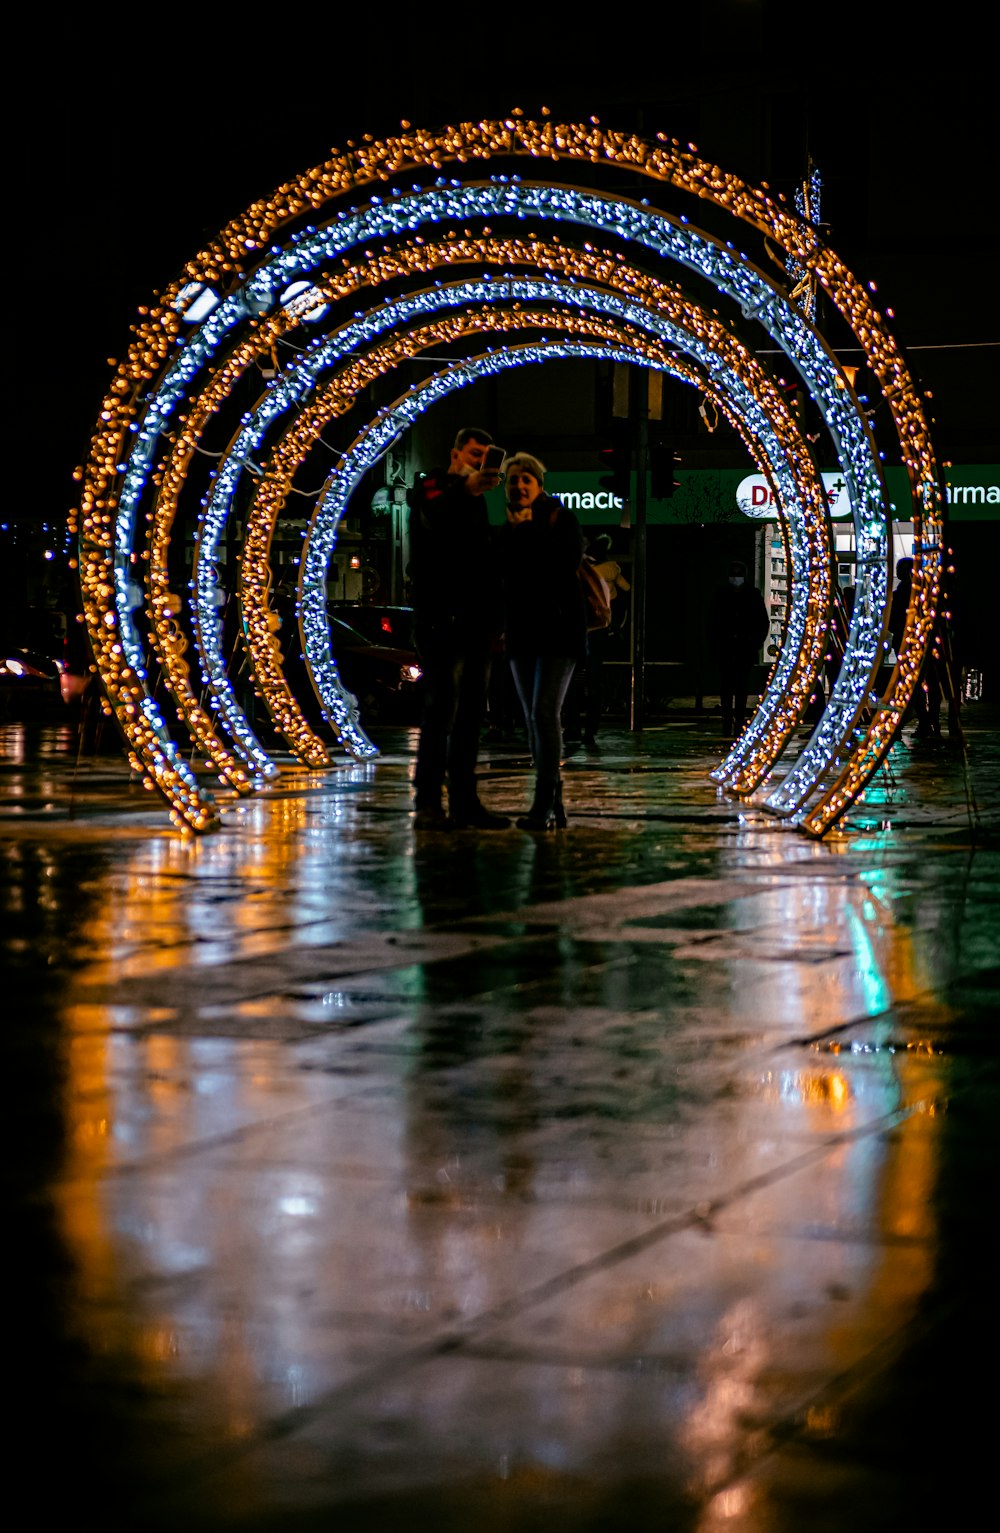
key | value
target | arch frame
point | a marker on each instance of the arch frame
(130, 408)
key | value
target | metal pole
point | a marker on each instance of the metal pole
(638, 411)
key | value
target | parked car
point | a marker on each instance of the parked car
(29, 683)
(382, 625)
(387, 679)
(32, 660)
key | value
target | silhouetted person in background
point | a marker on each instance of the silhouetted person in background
(840, 628)
(928, 718)
(737, 627)
(941, 672)
(585, 700)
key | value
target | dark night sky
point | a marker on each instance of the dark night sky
(122, 161)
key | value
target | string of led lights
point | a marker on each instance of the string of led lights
(383, 431)
(265, 287)
(746, 765)
(239, 457)
(264, 623)
(357, 222)
(273, 485)
(807, 202)
(318, 545)
(257, 765)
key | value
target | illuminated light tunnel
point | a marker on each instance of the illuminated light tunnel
(583, 268)
(313, 420)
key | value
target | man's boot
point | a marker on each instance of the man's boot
(476, 816)
(431, 814)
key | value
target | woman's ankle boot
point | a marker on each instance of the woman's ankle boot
(541, 815)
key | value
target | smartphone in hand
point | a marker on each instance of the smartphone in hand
(493, 461)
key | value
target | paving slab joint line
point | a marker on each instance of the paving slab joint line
(700, 1216)
(809, 1041)
(918, 997)
(455, 1341)
(231, 1136)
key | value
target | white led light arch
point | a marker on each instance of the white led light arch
(372, 442)
(508, 196)
(303, 375)
(772, 438)
(117, 476)
(319, 542)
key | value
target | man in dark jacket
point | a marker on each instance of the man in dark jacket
(737, 627)
(456, 623)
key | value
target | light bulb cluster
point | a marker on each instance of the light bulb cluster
(340, 393)
(303, 375)
(807, 203)
(245, 765)
(179, 374)
(274, 485)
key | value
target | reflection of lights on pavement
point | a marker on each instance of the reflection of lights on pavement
(295, 1376)
(822, 1421)
(813, 1088)
(302, 1199)
(730, 1367)
(870, 973)
(157, 1345)
(208, 1084)
(297, 1207)
(838, 1090)
(85, 1132)
(730, 1503)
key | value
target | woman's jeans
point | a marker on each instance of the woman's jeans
(542, 682)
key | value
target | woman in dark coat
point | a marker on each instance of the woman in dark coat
(545, 621)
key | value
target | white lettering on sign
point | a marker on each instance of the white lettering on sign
(973, 494)
(583, 500)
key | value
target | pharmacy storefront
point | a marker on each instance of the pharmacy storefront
(972, 495)
(712, 496)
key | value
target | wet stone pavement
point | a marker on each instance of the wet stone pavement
(638, 1176)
